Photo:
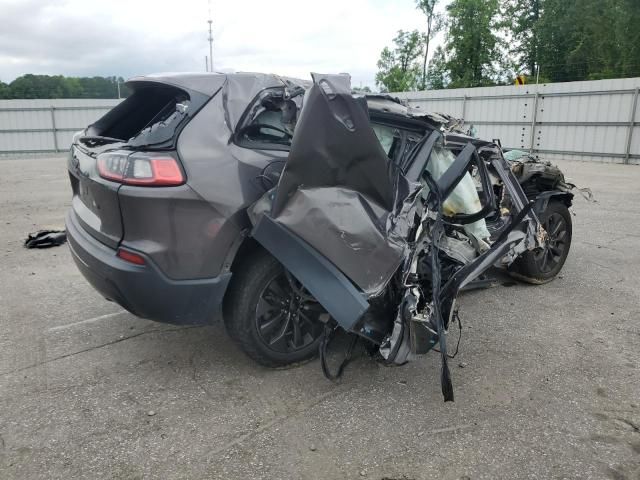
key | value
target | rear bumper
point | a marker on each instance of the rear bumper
(143, 289)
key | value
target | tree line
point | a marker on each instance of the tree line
(58, 86)
(490, 42)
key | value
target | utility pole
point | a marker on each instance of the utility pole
(210, 38)
(206, 63)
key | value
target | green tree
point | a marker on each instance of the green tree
(521, 21)
(4, 90)
(74, 87)
(472, 44)
(629, 35)
(555, 38)
(588, 39)
(398, 68)
(434, 25)
(437, 76)
(596, 45)
(22, 87)
(57, 86)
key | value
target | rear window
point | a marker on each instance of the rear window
(152, 115)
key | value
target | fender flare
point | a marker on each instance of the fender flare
(542, 200)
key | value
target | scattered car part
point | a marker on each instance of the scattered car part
(46, 239)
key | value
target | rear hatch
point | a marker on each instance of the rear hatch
(132, 144)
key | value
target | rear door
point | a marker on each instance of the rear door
(95, 199)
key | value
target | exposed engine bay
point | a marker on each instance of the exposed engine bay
(385, 231)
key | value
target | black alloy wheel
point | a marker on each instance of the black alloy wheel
(270, 315)
(543, 264)
(287, 316)
(549, 257)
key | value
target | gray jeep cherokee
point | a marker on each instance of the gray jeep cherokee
(297, 208)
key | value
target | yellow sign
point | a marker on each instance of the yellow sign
(521, 80)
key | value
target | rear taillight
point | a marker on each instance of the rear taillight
(130, 257)
(113, 166)
(138, 169)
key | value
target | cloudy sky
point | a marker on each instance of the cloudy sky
(132, 37)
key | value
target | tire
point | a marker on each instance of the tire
(543, 264)
(264, 302)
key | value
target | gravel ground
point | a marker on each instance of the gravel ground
(547, 382)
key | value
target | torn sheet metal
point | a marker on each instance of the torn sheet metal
(432, 280)
(334, 145)
(349, 229)
(529, 169)
(242, 86)
(395, 106)
(338, 190)
(384, 256)
(335, 292)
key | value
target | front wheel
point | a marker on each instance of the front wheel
(541, 265)
(270, 315)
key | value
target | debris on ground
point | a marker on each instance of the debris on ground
(46, 239)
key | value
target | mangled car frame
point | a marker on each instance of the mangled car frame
(303, 209)
(384, 247)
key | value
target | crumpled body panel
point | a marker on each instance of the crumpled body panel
(339, 191)
(349, 229)
(384, 255)
(334, 145)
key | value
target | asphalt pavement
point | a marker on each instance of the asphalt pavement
(547, 381)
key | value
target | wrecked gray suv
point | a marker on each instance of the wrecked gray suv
(297, 209)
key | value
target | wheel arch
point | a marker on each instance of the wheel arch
(240, 252)
(542, 199)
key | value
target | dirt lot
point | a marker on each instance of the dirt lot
(547, 382)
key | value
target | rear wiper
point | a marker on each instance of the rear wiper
(164, 113)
